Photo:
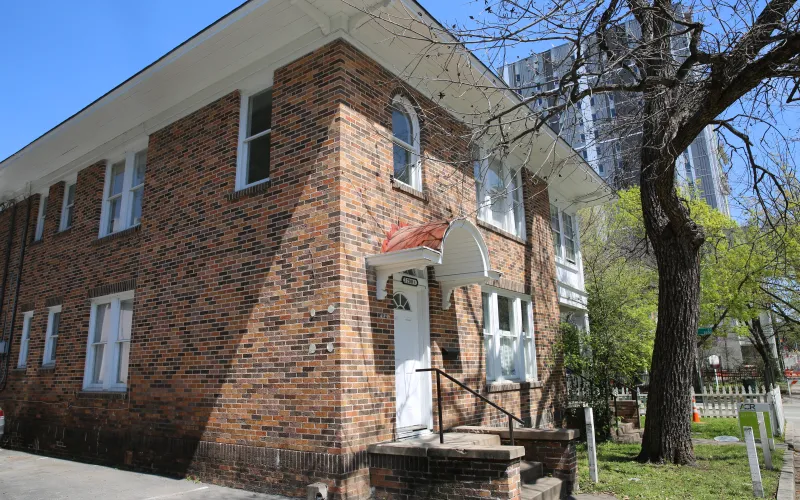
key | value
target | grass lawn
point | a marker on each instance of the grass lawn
(721, 472)
(710, 428)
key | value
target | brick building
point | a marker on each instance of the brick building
(231, 264)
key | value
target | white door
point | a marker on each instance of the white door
(411, 352)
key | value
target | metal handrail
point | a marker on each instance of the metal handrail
(439, 372)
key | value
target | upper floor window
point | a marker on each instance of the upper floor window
(508, 336)
(253, 166)
(27, 319)
(564, 235)
(108, 350)
(499, 195)
(51, 336)
(406, 150)
(68, 207)
(122, 205)
(40, 218)
(569, 237)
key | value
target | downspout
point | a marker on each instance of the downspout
(6, 358)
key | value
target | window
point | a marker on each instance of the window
(27, 318)
(256, 139)
(508, 336)
(122, 207)
(405, 150)
(569, 237)
(564, 235)
(41, 217)
(108, 349)
(499, 195)
(68, 208)
(51, 337)
(555, 225)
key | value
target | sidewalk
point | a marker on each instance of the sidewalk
(25, 476)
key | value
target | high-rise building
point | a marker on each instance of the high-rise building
(606, 128)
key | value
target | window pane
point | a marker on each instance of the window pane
(487, 318)
(51, 352)
(260, 113)
(507, 356)
(402, 164)
(497, 191)
(136, 207)
(138, 169)
(554, 222)
(258, 159)
(569, 245)
(123, 354)
(114, 215)
(68, 217)
(117, 176)
(56, 322)
(504, 310)
(99, 363)
(70, 194)
(102, 323)
(401, 124)
(526, 327)
(125, 319)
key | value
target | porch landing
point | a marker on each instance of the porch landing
(466, 465)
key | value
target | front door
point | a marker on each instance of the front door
(412, 346)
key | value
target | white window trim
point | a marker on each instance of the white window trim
(416, 169)
(24, 343)
(62, 226)
(110, 350)
(526, 367)
(48, 339)
(126, 196)
(561, 257)
(41, 216)
(241, 149)
(513, 197)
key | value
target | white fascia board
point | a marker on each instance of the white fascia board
(386, 264)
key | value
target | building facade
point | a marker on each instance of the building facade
(251, 247)
(605, 128)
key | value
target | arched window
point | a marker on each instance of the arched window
(400, 302)
(405, 135)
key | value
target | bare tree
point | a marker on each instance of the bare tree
(730, 64)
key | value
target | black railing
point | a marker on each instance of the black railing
(439, 374)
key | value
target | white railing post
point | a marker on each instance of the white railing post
(590, 445)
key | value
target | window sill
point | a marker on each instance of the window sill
(405, 188)
(510, 386)
(62, 232)
(118, 235)
(502, 232)
(102, 394)
(20, 369)
(36, 242)
(252, 190)
(51, 367)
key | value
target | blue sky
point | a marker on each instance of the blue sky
(59, 56)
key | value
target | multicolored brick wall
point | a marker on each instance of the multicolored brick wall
(222, 380)
(370, 205)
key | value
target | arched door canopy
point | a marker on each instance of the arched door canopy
(456, 249)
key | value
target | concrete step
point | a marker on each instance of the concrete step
(530, 471)
(626, 428)
(545, 488)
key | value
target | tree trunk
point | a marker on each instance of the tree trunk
(676, 241)
(667, 435)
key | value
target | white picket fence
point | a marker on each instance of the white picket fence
(724, 402)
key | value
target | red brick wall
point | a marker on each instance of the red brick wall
(370, 205)
(222, 382)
